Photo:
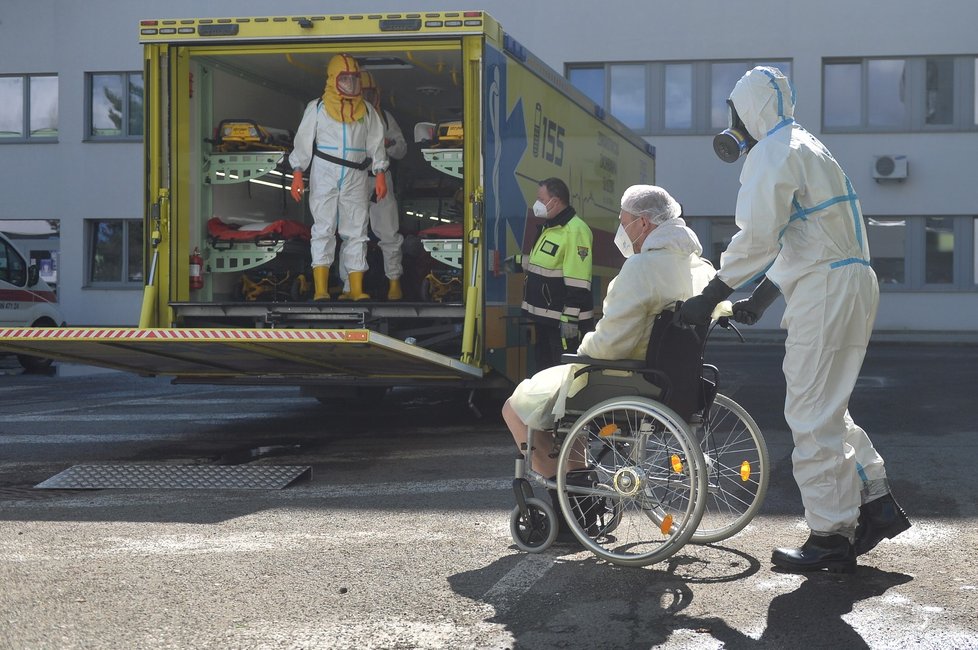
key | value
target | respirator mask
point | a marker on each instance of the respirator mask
(540, 209)
(734, 141)
(624, 243)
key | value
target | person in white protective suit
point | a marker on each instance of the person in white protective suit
(385, 220)
(662, 266)
(802, 227)
(342, 136)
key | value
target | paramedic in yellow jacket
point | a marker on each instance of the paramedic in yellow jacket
(557, 290)
(342, 136)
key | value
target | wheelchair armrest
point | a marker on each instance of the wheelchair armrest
(610, 364)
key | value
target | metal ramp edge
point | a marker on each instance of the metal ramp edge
(176, 477)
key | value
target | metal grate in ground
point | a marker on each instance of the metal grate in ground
(176, 477)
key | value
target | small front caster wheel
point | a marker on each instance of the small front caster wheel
(535, 531)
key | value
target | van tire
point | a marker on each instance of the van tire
(32, 364)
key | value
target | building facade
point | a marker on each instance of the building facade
(892, 90)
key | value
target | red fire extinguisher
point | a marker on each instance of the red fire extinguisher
(196, 268)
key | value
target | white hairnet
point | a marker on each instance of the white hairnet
(651, 202)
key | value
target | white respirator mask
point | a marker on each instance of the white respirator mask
(539, 210)
(624, 242)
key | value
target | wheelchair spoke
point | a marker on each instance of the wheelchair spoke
(645, 491)
(737, 467)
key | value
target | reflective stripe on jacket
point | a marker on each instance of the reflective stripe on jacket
(558, 271)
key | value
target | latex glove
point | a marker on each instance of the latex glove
(513, 264)
(380, 185)
(569, 330)
(750, 310)
(297, 185)
(699, 309)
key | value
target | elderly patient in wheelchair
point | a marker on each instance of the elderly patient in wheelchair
(662, 266)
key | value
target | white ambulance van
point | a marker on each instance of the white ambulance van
(25, 299)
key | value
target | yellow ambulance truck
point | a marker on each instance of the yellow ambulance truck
(227, 249)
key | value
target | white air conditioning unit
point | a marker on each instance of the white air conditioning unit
(890, 168)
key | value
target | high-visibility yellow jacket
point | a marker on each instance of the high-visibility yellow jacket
(558, 272)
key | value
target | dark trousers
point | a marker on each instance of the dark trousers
(549, 346)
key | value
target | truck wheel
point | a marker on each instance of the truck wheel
(350, 396)
(35, 365)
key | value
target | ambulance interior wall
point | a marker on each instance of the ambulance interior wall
(241, 203)
(236, 98)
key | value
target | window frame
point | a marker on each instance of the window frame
(90, 229)
(27, 138)
(126, 75)
(655, 91)
(965, 265)
(964, 101)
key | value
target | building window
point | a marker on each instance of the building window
(886, 101)
(974, 96)
(939, 107)
(888, 248)
(715, 233)
(662, 98)
(590, 81)
(723, 77)
(900, 94)
(28, 108)
(974, 251)
(914, 253)
(628, 101)
(115, 255)
(115, 106)
(939, 251)
(678, 92)
(39, 240)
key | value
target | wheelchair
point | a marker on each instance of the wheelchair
(650, 456)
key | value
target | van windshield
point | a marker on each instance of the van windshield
(12, 266)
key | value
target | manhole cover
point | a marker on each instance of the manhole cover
(176, 477)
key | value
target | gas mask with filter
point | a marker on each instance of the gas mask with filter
(734, 141)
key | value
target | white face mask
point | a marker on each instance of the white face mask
(624, 243)
(539, 210)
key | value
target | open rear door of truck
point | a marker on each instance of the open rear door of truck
(242, 355)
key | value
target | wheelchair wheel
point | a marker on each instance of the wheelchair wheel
(641, 493)
(737, 469)
(537, 530)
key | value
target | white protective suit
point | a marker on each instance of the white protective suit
(385, 220)
(338, 195)
(801, 224)
(668, 269)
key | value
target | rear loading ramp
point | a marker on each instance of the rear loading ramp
(259, 355)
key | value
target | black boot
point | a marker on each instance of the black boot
(832, 552)
(587, 510)
(879, 519)
(564, 533)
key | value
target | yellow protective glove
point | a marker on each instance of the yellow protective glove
(380, 185)
(297, 185)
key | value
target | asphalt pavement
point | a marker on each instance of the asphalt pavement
(400, 538)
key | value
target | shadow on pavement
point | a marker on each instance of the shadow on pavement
(644, 607)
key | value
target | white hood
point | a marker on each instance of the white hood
(763, 99)
(673, 234)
